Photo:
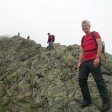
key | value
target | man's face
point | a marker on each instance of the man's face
(85, 27)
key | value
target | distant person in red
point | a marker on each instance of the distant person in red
(50, 41)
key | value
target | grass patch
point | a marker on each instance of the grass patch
(2, 109)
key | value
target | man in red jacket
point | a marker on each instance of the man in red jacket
(50, 41)
(89, 62)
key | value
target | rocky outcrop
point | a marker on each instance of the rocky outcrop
(34, 79)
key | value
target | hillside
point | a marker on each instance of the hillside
(33, 79)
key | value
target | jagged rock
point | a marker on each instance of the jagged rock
(34, 79)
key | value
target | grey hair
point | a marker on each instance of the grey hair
(87, 22)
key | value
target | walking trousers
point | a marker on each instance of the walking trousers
(51, 47)
(84, 70)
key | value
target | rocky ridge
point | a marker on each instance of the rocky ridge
(34, 79)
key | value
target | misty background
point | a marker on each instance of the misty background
(61, 18)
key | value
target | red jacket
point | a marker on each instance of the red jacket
(51, 38)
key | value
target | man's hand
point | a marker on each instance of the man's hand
(96, 61)
(78, 65)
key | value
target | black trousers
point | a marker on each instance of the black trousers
(84, 70)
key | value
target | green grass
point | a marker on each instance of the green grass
(2, 109)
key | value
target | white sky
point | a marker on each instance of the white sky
(59, 17)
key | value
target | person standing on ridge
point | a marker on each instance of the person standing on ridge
(89, 62)
(18, 35)
(28, 37)
(50, 41)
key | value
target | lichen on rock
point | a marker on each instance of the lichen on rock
(34, 79)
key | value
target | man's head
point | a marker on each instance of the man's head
(48, 34)
(86, 26)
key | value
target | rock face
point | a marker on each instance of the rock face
(33, 79)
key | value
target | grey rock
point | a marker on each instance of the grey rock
(33, 79)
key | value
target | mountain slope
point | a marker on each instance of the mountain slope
(34, 79)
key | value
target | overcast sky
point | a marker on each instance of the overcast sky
(59, 17)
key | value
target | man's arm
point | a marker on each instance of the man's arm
(48, 39)
(80, 57)
(99, 49)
